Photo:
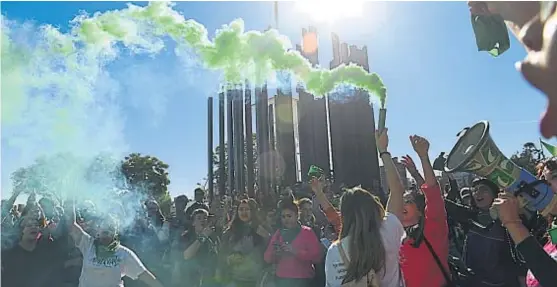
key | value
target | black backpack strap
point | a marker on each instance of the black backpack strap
(450, 283)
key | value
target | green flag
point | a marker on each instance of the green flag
(550, 148)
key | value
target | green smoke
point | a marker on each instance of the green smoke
(240, 55)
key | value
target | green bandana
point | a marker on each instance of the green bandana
(106, 251)
(491, 34)
(288, 235)
(315, 172)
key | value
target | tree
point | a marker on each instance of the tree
(149, 175)
(60, 174)
(529, 157)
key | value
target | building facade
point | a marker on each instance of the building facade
(352, 125)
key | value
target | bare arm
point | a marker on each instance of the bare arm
(190, 252)
(76, 232)
(320, 197)
(395, 204)
(8, 204)
(429, 175)
(408, 162)
(149, 279)
(421, 146)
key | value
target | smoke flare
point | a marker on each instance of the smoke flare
(240, 55)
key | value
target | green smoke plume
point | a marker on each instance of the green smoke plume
(240, 55)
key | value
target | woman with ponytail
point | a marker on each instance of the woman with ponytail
(294, 248)
(105, 260)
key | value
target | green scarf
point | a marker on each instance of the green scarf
(106, 251)
(491, 34)
(289, 234)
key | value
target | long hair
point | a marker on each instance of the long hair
(235, 230)
(362, 216)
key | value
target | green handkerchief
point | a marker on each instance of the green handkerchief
(491, 34)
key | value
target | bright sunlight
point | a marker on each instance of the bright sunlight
(330, 11)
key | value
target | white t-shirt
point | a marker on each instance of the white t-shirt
(107, 272)
(392, 234)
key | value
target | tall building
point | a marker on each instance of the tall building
(312, 115)
(352, 125)
(282, 126)
(310, 45)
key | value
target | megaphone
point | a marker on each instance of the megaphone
(475, 152)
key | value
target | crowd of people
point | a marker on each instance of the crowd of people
(426, 236)
(430, 236)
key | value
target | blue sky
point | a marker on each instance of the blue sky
(425, 53)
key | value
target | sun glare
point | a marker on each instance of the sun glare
(330, 11)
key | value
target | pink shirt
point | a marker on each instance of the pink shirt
(308, 252)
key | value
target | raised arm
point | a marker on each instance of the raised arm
(421, 146)
(330, 212)
(76, 232)
(435, 205)
(408, 162)
(8, 204)
(395, 203)
(191, 251)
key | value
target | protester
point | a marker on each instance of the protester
(36, 260)
(198, 250)
(105, 260)
(242, 248)
(425, 251)
(383, 252)
(294, 248)
(487, 251)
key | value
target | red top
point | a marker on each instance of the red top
(418, 265)
(307, 252)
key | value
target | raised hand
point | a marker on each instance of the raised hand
(382, 139)
(316, 185)
(408, 162)
(507, 207)
(420, 145)
(207, 231)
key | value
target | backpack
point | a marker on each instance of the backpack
(371, 278)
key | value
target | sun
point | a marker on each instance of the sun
(330, 11)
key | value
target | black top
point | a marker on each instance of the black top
(542, 266)
(41, 267)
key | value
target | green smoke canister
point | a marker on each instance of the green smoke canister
(382, 119)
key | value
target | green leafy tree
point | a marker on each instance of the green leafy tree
(57, 174)
(529, 157)
(149, 175)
